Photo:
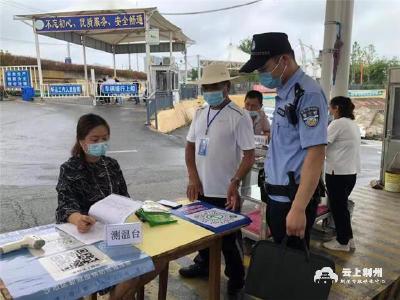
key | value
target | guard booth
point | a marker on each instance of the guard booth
(391, 138)
(164, 82)
(165, 76)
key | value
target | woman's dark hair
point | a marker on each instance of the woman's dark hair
(255, 95)
(85, 124)
(344, 105)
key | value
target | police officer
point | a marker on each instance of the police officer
(299, 134)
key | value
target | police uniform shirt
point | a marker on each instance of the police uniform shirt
(289, 143)
(343, 150)
(229, 134)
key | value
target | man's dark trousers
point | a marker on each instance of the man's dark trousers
(231, 248)
(276, 220)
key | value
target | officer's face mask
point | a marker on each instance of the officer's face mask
(97, 149)
(267, 80)
(214, 98)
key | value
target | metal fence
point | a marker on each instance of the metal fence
(188, 91)
(65, 90)
(33, 77)
(156, 102)
(107, 92)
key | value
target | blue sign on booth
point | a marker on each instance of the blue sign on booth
(65, 89)
(87, 23)
(126, 88)
(17, 78)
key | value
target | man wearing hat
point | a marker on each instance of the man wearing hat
(299, 135)
(219, 153)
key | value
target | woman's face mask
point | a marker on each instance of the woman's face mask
(267, 80)
(96, 142)
(97, 149)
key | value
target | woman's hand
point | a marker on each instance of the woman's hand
(82, 222)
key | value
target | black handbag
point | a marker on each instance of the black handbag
(278, 272)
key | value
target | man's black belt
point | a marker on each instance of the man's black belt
(281, 190)
(290, 190)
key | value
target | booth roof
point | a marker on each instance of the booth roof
(119, 38)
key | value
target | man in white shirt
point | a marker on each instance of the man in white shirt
(219, 153)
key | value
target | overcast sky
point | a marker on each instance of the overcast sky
(375, 22)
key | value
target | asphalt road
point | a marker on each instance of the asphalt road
(36, 139)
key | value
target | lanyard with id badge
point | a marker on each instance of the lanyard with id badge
(203, 146)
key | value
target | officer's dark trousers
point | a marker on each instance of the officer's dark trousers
(339, 189)
(276, 220)
(231, 248)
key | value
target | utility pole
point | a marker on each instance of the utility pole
(198, 74)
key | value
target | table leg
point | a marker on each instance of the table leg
(93, 296)
(214, 280)
(163, 283)
(263, 223)
(140, 294)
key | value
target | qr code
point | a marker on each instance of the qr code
(215, 217)
(75, 259)
(68, 263)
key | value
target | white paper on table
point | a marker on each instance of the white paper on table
(95, 234)
(56, 242)
(114, 209)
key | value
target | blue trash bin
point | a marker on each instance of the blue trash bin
(28, 93)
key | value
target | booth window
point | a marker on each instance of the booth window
(396, 114)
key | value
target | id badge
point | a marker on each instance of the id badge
(203, 146)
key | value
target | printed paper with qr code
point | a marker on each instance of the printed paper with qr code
(69, 263)
(215, 217)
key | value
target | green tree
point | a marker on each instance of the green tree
(378, 70)
(374, 67)
(245, 45)
(357, 58)
(369, 58)
(193, 74)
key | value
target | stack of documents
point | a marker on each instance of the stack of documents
(114, 209)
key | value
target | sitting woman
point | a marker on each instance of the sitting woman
(87, 177)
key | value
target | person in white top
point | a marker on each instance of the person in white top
(219, 153)
(342, 166)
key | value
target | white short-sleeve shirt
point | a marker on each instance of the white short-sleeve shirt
(343, 150)
(229, 134)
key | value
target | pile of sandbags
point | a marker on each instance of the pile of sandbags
(179, 116)
(370, 120)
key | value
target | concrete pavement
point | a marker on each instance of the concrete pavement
(36, 139)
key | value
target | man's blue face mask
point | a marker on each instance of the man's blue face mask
(214, 98)
(267, 80)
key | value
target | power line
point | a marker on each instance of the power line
(211, 10)
(20, 6)
(29, 42)
(28, 7)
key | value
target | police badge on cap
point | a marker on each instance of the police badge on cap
(263, 47)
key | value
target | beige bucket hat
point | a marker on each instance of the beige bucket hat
(215, 73)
